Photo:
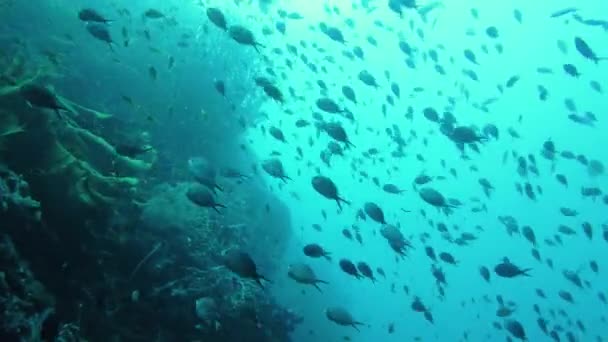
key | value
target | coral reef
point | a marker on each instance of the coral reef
(197, 238)
(15, 195)
(24, 302)
(92, 247)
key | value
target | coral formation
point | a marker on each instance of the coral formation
(15, 195)
(113, 254)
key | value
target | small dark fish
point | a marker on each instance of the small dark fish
(512, 81)
(153, 14)
(568, 211)
(563, 12)
(328, 189)
(485, 273)
(347, 234)
(274, 167)
(448, 258)
(242, 265)
(492, 32)
(216, 16)
(470, 55)
(374, 212)
(349, 93)
(506, 269)
(220, 86)
(131, 151)
(100, 32)
(302, 123)
(349, 268)
(515, 329)
(314, 250)
(366, 271)
(244, 36)
(39, 96)
(153, 73)
(585, 50)
(518, 15)
(571, 70)
(171, 63)
(203, 197)
(392, 189)
(277, 134)
(91, 15)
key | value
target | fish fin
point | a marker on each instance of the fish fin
(317, 286)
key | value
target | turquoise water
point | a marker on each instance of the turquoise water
(463, 311)
(190, 118)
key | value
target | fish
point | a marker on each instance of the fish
(91, 15)
(562, 12)
(100, 32)
(585, 50)
(153, 14)
(40, 96)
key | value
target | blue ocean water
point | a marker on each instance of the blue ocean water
(162, 78)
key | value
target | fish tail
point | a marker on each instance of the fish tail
(339, 204)
(340, 199)
(525, 273)
(216, 205)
